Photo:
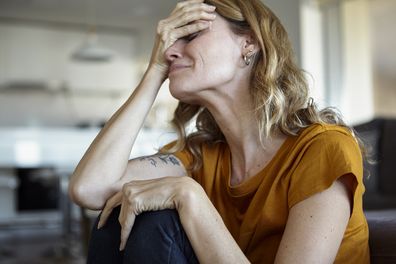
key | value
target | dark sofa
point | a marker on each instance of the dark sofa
(379, 136)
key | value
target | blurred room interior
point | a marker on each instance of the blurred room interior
(66, 66)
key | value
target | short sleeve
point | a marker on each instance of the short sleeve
(326, 157)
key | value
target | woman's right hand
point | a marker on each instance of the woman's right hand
(187, 18)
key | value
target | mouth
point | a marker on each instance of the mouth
(177, 67)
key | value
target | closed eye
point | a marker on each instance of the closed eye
(190, 37)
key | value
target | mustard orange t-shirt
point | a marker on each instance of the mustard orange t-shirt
(256, 211)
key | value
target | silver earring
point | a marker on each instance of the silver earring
(248, 58)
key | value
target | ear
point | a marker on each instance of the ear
(249, 45)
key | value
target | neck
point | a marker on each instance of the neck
(236, 120)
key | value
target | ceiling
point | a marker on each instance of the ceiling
(123, 13)
(135, 16)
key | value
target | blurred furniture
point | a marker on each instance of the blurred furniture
(382, 226)
(8, 185)
(379, 136)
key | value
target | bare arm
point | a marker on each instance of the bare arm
(316, 226)
(106, 160)
(104, 166)
(151, 167)
(210, 238)
(207, 233)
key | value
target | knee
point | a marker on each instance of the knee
(156, 223)
(112, 226)
(153, 237)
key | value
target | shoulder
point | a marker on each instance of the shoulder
(315, 130)
(323, 154)
(331, 143)
(328, 137)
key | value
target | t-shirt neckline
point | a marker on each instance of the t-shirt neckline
(253, 182)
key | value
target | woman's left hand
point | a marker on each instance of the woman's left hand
(145, 195)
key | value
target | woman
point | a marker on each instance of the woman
(265, 178)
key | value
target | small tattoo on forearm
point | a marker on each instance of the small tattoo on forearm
(166, 159)
(150, 159)
(163, 158)
(153, 162)
(174, 161)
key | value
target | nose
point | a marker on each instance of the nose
(175, 51)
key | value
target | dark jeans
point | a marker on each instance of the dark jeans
(156, 237)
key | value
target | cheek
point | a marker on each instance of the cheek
(217, 66)
(214, 65)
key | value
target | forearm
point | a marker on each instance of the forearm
(210, 238)
(106, 159)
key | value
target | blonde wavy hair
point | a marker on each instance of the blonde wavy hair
(278, 87)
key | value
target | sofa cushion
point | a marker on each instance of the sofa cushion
(382, 226)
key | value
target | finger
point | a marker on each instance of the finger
(191, 13)
(139, 186)
(128, 219)
(114, 201)
(195, 16)
(184, 4)
(135, 188)
(190, 29)
(193, 7)
(153, 194)
(187, 14)
(103, 217)
(170, 33)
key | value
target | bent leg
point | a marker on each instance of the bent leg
(158, 237)
(104, 243)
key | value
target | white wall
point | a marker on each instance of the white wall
(336, 50)
(382, 26)
(76, 91)
(312, 53)
(288, 12)
(357, 101)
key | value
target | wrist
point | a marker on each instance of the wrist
(161, 72)
(189, 196)
(150, 83)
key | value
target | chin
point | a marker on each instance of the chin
(178, 89)
(181, 93)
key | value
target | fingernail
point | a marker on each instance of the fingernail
(100, 224)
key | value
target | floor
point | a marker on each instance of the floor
(42, 243)
(40, 250)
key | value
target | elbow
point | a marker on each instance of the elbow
(85, 196)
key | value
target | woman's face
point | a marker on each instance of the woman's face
(208, 60)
